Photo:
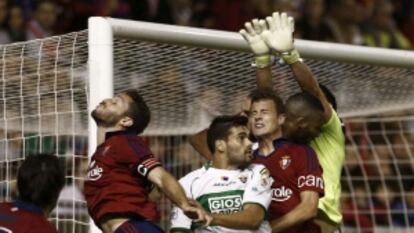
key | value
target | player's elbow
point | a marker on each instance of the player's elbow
(313, 212)
(310, 211)
(254, 224)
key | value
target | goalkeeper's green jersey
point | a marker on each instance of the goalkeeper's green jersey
(330, 148)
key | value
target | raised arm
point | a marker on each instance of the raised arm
(307, 82)
(262, 58)
(279, 37)
(199, 142)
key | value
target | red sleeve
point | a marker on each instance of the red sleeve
(309, 171)
(137, 155)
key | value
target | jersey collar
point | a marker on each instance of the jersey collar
(121, 132)
(277, 143)
(28, 207)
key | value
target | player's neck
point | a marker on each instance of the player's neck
(102, 132)
(266, 143)
(223, 163)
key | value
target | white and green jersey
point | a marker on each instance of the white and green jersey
(223, 192)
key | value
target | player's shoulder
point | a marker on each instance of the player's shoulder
(290, 146)
(256, 168)
(193, 175)
(128, 143)
(5, 205)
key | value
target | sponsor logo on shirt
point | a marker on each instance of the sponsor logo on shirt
(219, 184)
(281, 194)
(225, 205)
(310, 181)
(5, 230)
(284, 162)
(95, 172)
(243, 178)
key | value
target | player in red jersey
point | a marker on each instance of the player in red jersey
(123, 169)
(298, 182)
(39, 181)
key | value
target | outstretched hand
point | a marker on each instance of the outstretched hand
(279, 35)
(251, 35)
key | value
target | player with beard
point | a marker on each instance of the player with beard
(235, 191)
(123, 169)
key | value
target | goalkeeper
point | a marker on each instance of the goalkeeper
(275, 35)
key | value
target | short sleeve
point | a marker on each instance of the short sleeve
(309, 172)
(179, 221)
(258, 190)
(136, 155)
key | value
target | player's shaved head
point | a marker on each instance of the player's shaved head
(304, 117)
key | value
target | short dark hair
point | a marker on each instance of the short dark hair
(220, 128)
(138, 111)
(259, 95)
(40, 179)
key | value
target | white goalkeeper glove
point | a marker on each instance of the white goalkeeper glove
(252, 36)
(279, 36)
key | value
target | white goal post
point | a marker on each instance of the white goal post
(356, 96)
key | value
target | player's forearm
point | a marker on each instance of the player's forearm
(199, 143)
(169, 186)
(174, 191)
(300, 214)
(305, 78)
(241, 220)
(307, 82)
(264, 78)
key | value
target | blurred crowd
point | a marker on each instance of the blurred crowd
(377, 23)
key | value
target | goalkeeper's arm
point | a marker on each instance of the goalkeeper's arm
(262, 56)
(199, 142)
(279, 37)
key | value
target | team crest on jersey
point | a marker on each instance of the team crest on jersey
(243, 178)
(264, 176)
(284, 162)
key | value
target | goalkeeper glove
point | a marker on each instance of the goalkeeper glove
(279, 37)
(251, 35)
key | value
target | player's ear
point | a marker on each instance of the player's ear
(220, 145)
(126, 122)
(281, 118)
(301, 122)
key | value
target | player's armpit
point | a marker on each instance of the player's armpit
(251, 217)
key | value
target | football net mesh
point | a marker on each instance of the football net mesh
(44, 97)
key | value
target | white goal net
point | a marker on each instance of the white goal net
(45, 93)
